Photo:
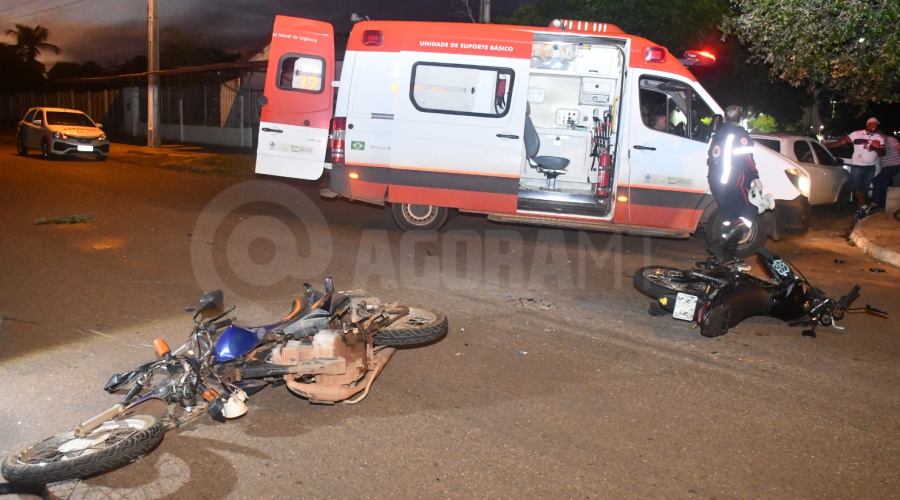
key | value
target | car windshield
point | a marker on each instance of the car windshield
(68, 118)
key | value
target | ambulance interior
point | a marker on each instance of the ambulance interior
(574, 92)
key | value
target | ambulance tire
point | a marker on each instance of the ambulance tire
(746, 247)
(411, 217)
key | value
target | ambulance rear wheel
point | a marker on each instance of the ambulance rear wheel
(411, 217)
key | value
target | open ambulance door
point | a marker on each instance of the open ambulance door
(298, 102)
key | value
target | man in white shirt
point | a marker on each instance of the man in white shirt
(868, 145)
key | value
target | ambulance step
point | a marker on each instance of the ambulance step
(590, 225)
(558, 202)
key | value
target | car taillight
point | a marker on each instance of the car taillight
(338, 133)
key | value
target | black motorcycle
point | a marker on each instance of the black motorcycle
(719, 294)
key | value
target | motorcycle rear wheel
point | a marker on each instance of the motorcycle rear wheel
(657, 281)
(418, 327)
(65, 456)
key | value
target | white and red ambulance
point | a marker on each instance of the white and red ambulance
(577, 125)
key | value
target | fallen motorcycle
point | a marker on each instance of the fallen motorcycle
(719, 295)
(329, 348)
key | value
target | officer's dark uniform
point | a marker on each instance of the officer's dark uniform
(731, 170)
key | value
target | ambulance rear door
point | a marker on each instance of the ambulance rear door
(458, 133)
(299, 99)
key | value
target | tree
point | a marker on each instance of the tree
(31, 42)
(851, 47)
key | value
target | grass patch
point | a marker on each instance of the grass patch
(72, 219)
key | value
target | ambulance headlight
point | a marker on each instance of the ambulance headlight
(800, 180)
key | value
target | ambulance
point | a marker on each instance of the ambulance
(577, 125)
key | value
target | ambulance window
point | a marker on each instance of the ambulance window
(461, 89)
(674, 108)
(301, 73)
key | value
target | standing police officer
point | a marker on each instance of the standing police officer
(731, 174)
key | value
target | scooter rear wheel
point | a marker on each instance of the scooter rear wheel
(418, 327)
(657, 281)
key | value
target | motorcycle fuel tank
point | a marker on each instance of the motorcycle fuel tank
(234, 342)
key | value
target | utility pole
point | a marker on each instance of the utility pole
(485, 14)
(154, 137)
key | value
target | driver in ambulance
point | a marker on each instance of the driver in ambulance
(734, 181)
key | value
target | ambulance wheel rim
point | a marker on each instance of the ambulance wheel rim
(420, 214)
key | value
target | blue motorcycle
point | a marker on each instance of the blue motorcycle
(329, 349)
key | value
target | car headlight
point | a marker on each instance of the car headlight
(799, 179)
(59, 135)
(103, 137)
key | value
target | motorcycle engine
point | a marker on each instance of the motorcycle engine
(328, 364)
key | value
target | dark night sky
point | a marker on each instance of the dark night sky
(116, 30)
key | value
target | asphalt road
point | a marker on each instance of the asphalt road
(553, 381)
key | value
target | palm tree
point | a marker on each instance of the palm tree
(30, 42)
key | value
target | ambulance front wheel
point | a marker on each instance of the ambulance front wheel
(412, 217)
(747, 245)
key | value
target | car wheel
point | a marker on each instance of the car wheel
(20, 146)
(45, 149)
(842, 204)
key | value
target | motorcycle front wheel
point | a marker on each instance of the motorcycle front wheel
(417, 327)
(66, 456)
(657, 281)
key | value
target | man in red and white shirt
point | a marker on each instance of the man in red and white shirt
(868, 145)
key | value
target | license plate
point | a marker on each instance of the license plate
(85, 148)
(685, 305)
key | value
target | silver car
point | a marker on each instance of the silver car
(829, 181)
(60, 132)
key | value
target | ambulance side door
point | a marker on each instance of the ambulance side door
(670, 125)
(299, 99)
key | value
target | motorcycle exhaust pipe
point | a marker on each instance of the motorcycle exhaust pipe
(89, 425)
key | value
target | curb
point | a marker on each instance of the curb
(871, 249)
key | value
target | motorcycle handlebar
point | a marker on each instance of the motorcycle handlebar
(222, 324)
(845, 300)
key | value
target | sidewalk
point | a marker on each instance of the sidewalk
(194, 157)
(879, 236)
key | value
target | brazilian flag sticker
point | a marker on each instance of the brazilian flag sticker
(357, 145)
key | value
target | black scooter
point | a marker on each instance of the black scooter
(719, 294)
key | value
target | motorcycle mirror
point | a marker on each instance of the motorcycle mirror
(214, 298)
(329, 284)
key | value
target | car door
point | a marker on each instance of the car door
(32, 131)
(299, 99)
(838, 177)
(820, 182)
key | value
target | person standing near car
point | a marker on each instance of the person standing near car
(868, 145)
(731, 174)
(890, 165)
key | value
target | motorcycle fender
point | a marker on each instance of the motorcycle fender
(745, 300)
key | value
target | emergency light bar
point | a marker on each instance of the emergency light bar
(698, 58)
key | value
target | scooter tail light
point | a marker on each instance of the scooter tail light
(338, 133)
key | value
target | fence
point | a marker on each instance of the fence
(223, 114)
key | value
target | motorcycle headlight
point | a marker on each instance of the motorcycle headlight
(799, 179)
